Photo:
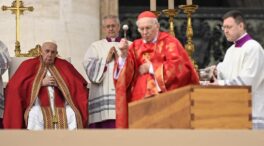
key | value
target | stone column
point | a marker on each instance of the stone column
(107, 7)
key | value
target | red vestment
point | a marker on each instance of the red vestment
(25, 85)
(172, 69)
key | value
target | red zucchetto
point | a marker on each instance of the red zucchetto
(146, 14)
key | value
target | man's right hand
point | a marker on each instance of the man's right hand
(49, 81)
(123, 46)
(213, 71)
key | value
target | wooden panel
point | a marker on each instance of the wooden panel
(168, 110)
(139, 137)
(226, 94)
(221, 122)
(194, 107)
(221, 108)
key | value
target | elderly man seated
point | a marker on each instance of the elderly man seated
(46, 93)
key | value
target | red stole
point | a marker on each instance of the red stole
(44, 97)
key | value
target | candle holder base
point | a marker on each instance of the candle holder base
(157, 13)
(188, 9)
(171, 13)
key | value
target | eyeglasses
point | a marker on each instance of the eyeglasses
(226, 27)
(148, 28)
(110, 26)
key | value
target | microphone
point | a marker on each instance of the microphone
(125, 28)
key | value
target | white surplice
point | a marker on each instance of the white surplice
(102, 90)
(4, 64)
(245, 66)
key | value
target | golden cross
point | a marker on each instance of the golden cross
(18, 9)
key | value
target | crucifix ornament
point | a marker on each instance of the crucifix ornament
(18, 9)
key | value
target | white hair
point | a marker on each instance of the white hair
(50, 41)
(153, 20)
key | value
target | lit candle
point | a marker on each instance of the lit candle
(171, 4)
(152, 5)
(189, 2)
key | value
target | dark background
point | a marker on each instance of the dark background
(208, 38)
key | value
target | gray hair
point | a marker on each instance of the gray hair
(114, 17)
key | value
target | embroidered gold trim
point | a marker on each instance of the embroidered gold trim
(62, 118)
(47, 117)
(66, 93)
(35, 88)
(159, 76)
(59, 119)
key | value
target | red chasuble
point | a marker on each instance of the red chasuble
(25, 85)
(172, 69)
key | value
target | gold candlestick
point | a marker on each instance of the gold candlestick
(189, 46)
(171, 13)
(157, 13)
